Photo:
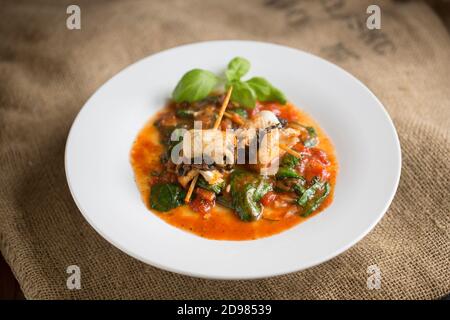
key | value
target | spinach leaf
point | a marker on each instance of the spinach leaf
(262, 188)
(315, 204)
(299, 189)
(216, 188)
(166, 196)
(247, 189)
(237, 68)
(299, 186)
(289, 161)
(224, 202)
(310, 192)
(194, 85)
(287, 172)
(246, 206)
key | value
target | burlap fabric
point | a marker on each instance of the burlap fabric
(47, 72)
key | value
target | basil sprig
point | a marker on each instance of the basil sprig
(247, 92)
(197, 84)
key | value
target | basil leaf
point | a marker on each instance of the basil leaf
(261, 86)
(265, 91)
(277, 95)
(237, 68)
(243, 94)
(194, 85)
(166, 196)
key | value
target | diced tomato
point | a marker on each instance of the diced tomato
(268, 198)
(286, 112)
(306, 152)
(201, 205)
(320, 155)
(269, 106)
(313, 163)
(315, 168)
(299, 147)
(205, 194)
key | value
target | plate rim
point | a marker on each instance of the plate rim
(213, 276)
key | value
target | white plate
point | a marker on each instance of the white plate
(101, 180)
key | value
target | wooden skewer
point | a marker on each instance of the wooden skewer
(216, 125)
(222, 109)
(289, 150)
(228, 115)
(234, 117)
(191, 189)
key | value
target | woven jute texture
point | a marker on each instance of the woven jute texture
(47, 73)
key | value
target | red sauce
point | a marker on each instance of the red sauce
(201, 217)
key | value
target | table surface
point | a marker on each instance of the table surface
(9, 287)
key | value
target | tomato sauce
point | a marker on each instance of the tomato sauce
(201, 217)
